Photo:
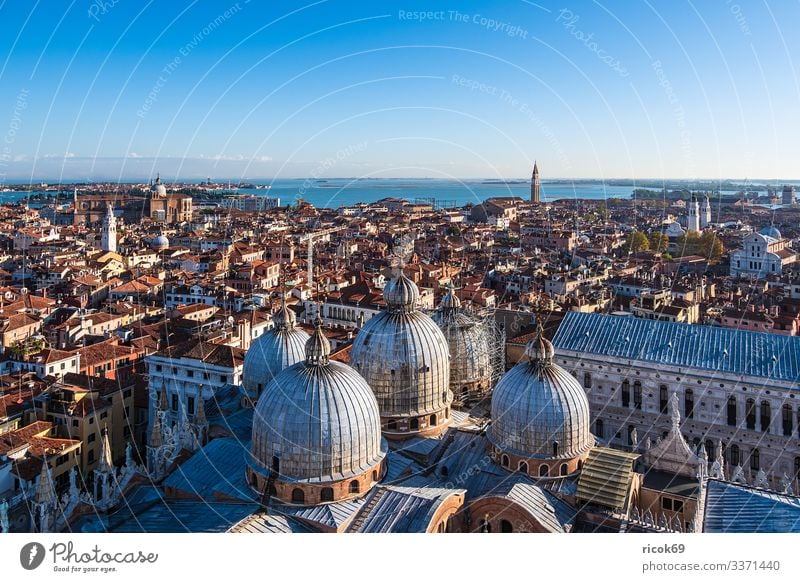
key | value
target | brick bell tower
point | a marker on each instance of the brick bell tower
(535, 184)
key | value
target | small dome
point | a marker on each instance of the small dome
(317, 421)
(539, 410)
(401, 293)
(450, 300)
(158, 189)
(160, 242)
(674, 230)
(771, 232)
(282, 346)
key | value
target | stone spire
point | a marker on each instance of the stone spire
(106, 462)
(45, 491)
(155, 432)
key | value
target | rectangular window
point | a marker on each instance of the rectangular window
(90, 456)
(637, 395)
(126, 393)
(175, 403)
(190, 373)
(626, 394)
(587, 381)
(666, 503)
(190, 404)
(158, 368)
(91, 438)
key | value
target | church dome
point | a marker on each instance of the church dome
(469, 347)
(160, 242)
(404, 357)
(539, 410)
(158, 189)
(272, 352)
(318, 424)
(771, 232)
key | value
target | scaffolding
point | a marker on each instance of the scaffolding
(477, 351)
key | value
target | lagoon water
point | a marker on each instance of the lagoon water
(333, 193)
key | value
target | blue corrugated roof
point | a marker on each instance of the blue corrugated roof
(732, 508)
(764, 355)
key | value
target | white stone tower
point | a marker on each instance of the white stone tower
(108, 242)
(693, 220)
(705, 213)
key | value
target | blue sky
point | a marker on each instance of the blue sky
(121, 90)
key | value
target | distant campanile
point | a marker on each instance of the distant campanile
(535, 184)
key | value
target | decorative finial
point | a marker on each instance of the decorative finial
(318, 348)
(675, 412)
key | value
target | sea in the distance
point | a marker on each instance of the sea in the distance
(336, 192)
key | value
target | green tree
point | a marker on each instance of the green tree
(659, 241)
(637, 241)
(710, 246)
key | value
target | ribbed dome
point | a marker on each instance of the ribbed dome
(538, 403)
(468, 343)
(401, 293)
(319, 419)
(450, 300)
(282, 346)
(403, 355)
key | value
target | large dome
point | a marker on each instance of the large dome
(158, 189)
(404, 357)
(539, 410)
(317, 423)
(771, 232)
(275, 350)
(468, 343)
(160, 242)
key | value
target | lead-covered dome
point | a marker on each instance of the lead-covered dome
(468, 344)
(317, 428)
(771, 232)
(404, 357)
(160, 243)
(539, 410)
(275, 350)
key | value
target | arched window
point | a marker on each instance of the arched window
(626, 393)
(787, 416)
(433, 420)
(750, 414)
(544, 470)
(766, 411)
(353, 486)
(555, 448)
(587, 380)
(732, 420)
(755, 460)
(598, 428)
(298, 496)
(735, 458)
(504, 461)
(326, 494)
(414, 424)
(505, 526)
(564, 470)
(523, 467)
(688, 403)
(276, 464)
(663, 398)
(637, 395)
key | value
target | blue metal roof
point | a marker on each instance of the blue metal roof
(681, 345)
(732, 508)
